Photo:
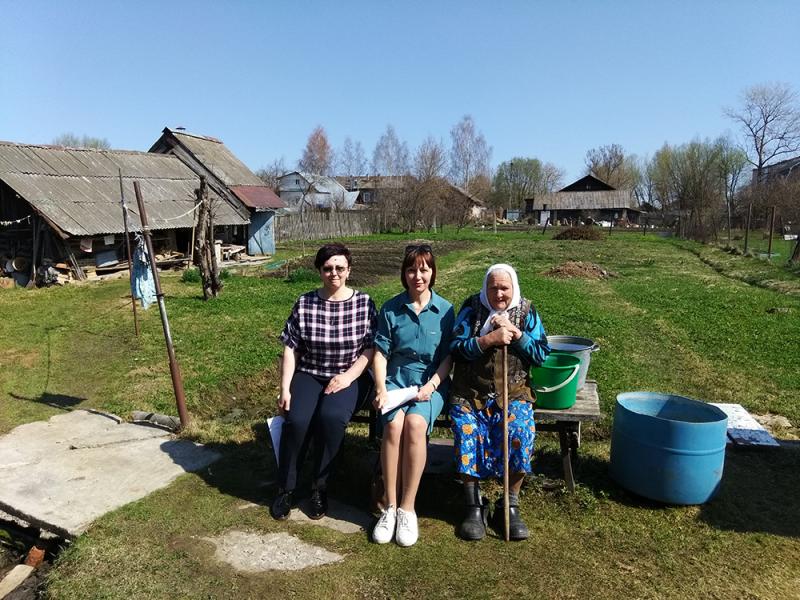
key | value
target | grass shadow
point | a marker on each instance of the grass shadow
(59, 401)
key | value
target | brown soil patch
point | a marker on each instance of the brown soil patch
(578, 269)
(372, 260)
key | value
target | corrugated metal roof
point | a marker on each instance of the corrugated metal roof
(216, 157)
(611, 199)
(77, 189)
(257, 196)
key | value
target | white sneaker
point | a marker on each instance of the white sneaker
(383, 531)
(407, 530)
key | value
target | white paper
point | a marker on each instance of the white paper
(398, 398)
(275, 425)
(108, 240)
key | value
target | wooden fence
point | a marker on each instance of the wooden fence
(317, 225)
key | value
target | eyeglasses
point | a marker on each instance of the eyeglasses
(421, 248)
(329, 269)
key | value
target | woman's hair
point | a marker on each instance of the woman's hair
(416, 255)
(328, 250)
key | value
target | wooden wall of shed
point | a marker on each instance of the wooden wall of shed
(15, 239)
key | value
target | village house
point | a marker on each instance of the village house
(586, 200)
(299, 189)
(229, 178)
(60, 209)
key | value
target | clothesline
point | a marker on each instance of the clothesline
(18, 221)
(191, 210)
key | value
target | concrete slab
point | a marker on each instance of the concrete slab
(254, 553)
(64, 473)
(14, 579)
(341, 517)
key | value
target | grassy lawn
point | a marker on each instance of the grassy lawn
(677, 318)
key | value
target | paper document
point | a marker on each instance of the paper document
(275, 425)
(398, 398)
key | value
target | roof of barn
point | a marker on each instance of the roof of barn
(77, 189)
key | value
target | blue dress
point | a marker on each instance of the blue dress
(414, 346)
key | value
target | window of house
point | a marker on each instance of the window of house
(297, 182)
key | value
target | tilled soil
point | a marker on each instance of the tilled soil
(372, 260)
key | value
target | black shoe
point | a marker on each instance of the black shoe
(517, 530)
(473, 527)
(318, 505)
(282, 505)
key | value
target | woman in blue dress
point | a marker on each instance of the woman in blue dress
(412, 343)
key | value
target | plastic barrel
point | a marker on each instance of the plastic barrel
(556, 381)
(668, 448)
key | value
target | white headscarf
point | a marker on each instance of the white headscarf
(515, 297)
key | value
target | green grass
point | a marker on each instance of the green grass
(679, 318)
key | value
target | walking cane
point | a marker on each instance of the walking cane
(506, 508)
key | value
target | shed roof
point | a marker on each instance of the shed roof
(258, 196)
(77, 189)
(608, 199)
(213, 154)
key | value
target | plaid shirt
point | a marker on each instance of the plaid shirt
(330, 336)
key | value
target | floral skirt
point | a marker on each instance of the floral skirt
(479, 438)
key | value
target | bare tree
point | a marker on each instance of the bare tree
(70, 140)
(350, 159)
(425, 202)
(522, 178)
(391, 160)
(732, 161)
(318, 155)
(272, 173)
(611, 164)
(470, 155)
(769, 118)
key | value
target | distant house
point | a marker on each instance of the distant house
(588, 198)
(783, 169)
(370, 188)
(229, 178)
(61, 206)
(476, 206)
(299, 188)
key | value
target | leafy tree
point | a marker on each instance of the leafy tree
(522, 178)
(611, 164)
(70, 140)
(318, 155)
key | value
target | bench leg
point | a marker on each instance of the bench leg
(565, 438)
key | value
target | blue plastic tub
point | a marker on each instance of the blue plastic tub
(668, 448)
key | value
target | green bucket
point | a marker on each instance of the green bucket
(555, 381)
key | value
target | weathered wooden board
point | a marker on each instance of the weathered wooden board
(743, 429)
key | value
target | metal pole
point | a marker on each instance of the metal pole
(128, 245)
(771, 230)
(174, 368)
(747, 227)
(506, 505)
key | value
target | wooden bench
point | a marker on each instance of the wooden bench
(567, 423)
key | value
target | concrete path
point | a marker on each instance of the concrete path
(62, 474)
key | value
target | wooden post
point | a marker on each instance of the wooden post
(771, 230)
(128, 246)
(546, 223)
(174, 368)
(747, 227)
(506, 505)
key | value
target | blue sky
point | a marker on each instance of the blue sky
(543, 79)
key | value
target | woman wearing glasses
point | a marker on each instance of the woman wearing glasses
(412, 342)
(328, 343)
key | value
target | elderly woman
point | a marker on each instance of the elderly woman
(328, 342)
(413, 343)
(496, 317)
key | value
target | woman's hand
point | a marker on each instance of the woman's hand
(425, 392)
(338, 383)
(499, 337)
(284, 402)
(502, 320)
(381, 397)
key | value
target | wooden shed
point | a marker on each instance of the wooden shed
(228, 177)
(587, 199)
(60, 207)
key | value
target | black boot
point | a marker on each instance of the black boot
(318, 504)
(282, 505)
(517, 530)
(473, 527)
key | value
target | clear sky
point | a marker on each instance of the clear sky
(541, 79)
